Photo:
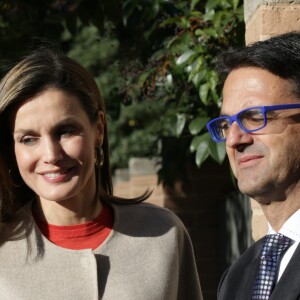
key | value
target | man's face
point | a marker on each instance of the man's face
(266, 163)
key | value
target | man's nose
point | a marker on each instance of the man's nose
(237, 136)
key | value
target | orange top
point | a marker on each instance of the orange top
(89, 235)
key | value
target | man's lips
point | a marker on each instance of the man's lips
(246, 159)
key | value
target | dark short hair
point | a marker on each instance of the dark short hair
(279, 55)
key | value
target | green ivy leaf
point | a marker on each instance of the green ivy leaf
(213, 80)
(235, 4)
(209, 16)
(184, 57)
(199, 32)
(203, 92)
(197, 77)
(217, 19)
(181, 120)
(217, 151)
(202, 152)
(195, 142)
(197, 125)
(210, 4)
(211, 32)
(143, 77)
(194, 3)
(194, 67)
(169, 21)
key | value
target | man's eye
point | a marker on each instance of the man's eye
(223, 125)
(256, 119)
(253, 117)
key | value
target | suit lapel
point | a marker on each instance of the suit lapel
(251, 269)
(288, 286)
(239, 280)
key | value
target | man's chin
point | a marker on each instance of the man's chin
(249, 187)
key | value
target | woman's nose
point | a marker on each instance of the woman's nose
(52, 151)
(237, 136)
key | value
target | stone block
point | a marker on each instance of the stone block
(269, 20)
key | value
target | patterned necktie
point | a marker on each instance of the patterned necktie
(274, 247)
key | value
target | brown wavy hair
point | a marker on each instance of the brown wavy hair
(47, 67)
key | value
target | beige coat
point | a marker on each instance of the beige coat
(147, 256)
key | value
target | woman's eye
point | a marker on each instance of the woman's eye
(28, 140)
(66, 132)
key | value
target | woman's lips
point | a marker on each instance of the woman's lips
(57, 176)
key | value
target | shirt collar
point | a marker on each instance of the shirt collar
(291, 227)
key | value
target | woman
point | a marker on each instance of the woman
(63, 233)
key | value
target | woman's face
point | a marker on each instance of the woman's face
(54, 144)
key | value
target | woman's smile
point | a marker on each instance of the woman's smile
(58, 176)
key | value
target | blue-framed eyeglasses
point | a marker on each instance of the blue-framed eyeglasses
(250, 119)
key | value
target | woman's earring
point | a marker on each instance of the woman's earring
(99, 157)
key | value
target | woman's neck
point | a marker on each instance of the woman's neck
(67, 212)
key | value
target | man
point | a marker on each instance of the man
(260, 124)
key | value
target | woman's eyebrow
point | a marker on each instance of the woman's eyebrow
(64, 122)
(23, 131)
(68, 122)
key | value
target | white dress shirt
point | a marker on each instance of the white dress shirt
(291, 229)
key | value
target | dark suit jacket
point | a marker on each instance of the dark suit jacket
(238, 280)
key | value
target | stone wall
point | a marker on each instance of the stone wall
(265, 18)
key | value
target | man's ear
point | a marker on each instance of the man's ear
(100, 128)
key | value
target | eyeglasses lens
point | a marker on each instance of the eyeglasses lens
(220, 128)
(251, 119)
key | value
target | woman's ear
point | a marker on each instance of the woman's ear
(100, 128)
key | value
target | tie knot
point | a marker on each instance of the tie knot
(274, 246)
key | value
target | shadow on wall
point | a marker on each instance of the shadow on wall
(235, 228)
(219, 225)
